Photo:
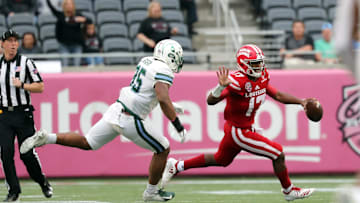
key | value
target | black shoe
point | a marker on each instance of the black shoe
(47, 189)
(11, 198)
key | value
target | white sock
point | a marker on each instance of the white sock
(51, 139)
(287, 190)
(180, 166)
(151, 188)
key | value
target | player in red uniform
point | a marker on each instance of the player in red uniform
(244, 91)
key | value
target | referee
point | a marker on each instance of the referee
(18, 78)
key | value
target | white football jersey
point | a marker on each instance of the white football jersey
(140, 96)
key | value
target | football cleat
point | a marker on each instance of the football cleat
(38, 139)
(159, 196)
(47, 189)
(169, 171)
(298, 193)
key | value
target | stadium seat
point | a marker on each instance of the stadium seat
(133, 30)
(267, 4)
(50, 46)
(110, 17)
(182, 28)
(107, 5)
(285, 25)
(185, 42)
(130, 5)
(138, 45)
(329, 3)
(173, 16)
(83, 5)
(332, 13)
(276, 14)
(21, 19)
(46, 19)
(311, 13)
(47, 32)
(314, 26)
(297, 4)
(169, 4)
(118, 45)
(2, 29)
(316, 36)
(2, 21)
(135, 16)
(21, 29)
(113, 30)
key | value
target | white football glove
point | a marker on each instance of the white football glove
(178, 109)
(182, 135)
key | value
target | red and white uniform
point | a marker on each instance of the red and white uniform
(243, 99)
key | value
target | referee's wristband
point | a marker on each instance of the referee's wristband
(178, 126)
(22, 85)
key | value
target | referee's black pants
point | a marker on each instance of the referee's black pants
(18, 123)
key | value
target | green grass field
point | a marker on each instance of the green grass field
(187, 189)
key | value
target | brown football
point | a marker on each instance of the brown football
(314, 110)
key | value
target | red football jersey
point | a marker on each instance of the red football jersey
(244, 97)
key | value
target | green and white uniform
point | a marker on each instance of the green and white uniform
(127, 116)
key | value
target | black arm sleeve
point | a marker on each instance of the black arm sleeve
(309, 41)
(53, 10)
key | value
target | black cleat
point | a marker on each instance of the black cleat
(11, 198)
(47, 189)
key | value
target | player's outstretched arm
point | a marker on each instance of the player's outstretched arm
(223, 77)
(284, 97)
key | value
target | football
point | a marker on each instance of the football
(314, 110)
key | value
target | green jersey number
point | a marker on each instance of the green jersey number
(136, 81)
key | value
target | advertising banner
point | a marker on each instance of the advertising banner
(75, 101)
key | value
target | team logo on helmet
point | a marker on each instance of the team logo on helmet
(348, 115)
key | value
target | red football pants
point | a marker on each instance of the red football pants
(237, 139)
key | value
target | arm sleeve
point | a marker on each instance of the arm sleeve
(271, 91)
(309, 41)
(53, 10)
(143, 28)
(286, 42)
(225, 93)
(31, 72)
(163, 77)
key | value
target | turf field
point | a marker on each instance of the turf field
(209, 190)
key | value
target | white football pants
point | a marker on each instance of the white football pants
(115, 122)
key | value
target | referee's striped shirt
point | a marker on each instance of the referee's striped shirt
(19, 67)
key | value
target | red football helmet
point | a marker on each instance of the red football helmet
(250, 59)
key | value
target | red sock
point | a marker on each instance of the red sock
(196, 162)
(284, 178)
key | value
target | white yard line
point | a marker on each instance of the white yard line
(196, 181)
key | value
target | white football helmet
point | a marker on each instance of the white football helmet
(170, 52)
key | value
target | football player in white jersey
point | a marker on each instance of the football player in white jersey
(149, 86)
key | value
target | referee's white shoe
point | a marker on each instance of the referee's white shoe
(38, 139)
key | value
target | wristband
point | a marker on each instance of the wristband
(216, 92)
(22, 85)
(178, 126)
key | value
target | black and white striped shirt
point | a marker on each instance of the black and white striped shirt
(20, 67)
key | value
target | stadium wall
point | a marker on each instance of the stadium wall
(75, 101)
